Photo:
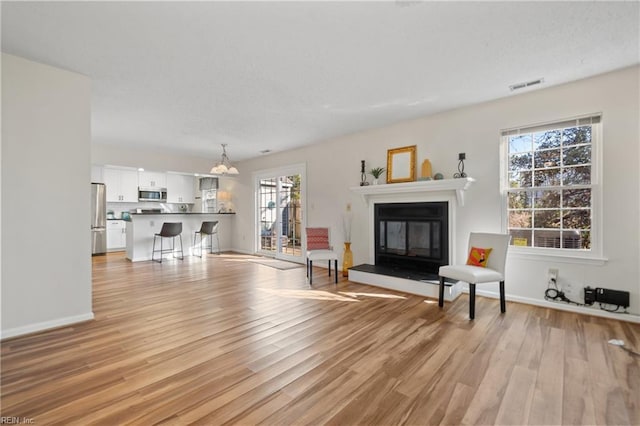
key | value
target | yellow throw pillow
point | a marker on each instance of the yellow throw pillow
(479, 256)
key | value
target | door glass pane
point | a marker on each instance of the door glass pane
(267, 213)
(291, 215)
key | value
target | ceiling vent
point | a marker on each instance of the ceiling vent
(526, 84)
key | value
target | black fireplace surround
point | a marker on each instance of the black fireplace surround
(412, 236)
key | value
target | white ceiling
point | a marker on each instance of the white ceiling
(187, 76)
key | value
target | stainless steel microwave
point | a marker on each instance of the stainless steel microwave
(152, 194)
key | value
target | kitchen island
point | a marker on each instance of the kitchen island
(142, 226)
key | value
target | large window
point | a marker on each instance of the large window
(550, 184)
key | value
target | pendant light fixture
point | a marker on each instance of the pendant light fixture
(224, 167)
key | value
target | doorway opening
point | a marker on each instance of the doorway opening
(279, 213)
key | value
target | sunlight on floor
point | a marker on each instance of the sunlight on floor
(380, 295)
(430, 302)
(307, 294)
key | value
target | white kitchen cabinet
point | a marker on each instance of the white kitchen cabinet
(122, 185)
(180, 188)
(116, 234)
(152, 179)
(96, 174)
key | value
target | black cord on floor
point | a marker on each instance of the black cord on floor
(634, 353)
(557, 295)
(620, 344)
(615, 311)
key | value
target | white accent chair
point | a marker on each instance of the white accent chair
(499, 244)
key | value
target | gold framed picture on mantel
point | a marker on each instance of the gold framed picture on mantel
(401, 164)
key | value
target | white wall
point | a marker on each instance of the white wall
(46, 253)
(334, 165)
(149, 159)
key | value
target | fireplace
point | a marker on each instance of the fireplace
(412, 236)
(412, 232)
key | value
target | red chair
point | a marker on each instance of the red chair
(318, 248)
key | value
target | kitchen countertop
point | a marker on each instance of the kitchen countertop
(150, 213)
(142, 228)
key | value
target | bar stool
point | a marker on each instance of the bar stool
(169, 230)
(210, 229)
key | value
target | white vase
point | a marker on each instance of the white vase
(375, 181)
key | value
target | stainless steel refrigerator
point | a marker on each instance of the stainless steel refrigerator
(98, 219)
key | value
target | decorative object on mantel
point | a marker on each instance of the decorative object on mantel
(224, 167)
(401, 164)
(438, 176)
(363, 174)
(347, 256)
(376, 172)
(461, 173)
(426, 171)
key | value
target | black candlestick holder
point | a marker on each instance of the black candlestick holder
(461, 173)
(363, 174)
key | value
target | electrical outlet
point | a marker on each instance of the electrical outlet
(552, 275)
(152, 223)
(568, 289)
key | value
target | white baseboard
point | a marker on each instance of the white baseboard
(46, 325)
(586, 310)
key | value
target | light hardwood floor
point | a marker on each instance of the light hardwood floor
(221, 340)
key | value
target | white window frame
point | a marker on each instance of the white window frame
(595, 255)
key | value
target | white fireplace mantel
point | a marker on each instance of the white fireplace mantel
(459, 186)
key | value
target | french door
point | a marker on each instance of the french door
(280, 214)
